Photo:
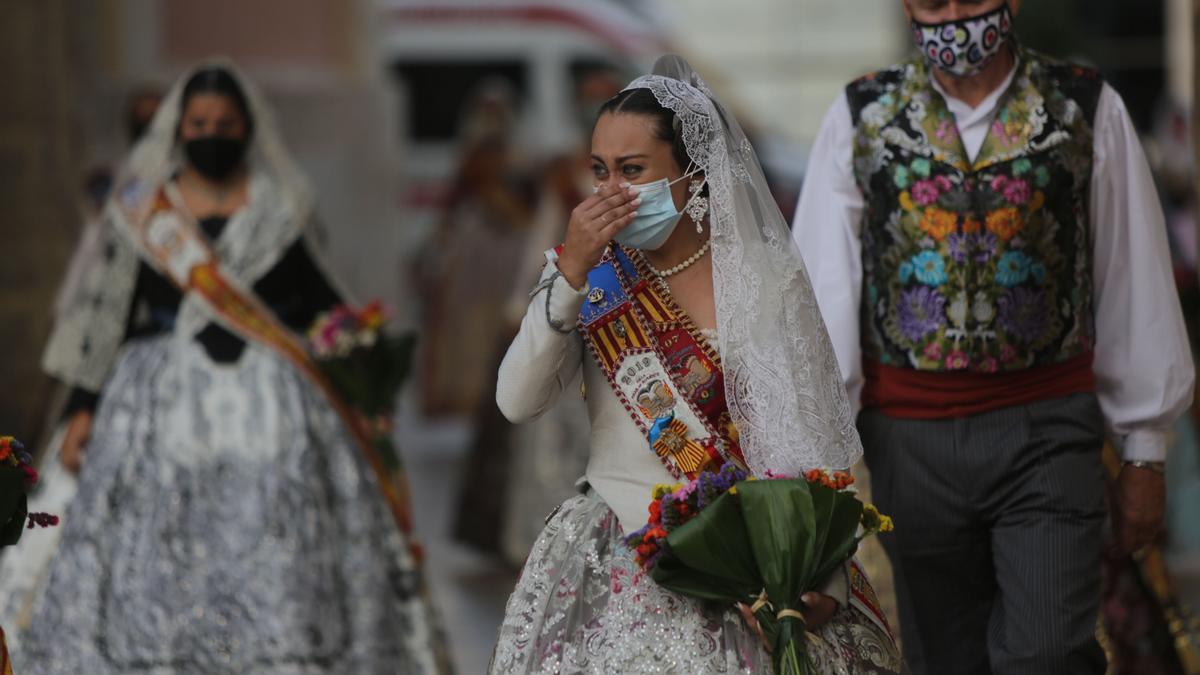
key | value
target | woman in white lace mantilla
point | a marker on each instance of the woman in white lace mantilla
(225, 519)
(679, 294)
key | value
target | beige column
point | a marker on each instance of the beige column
(38, 188)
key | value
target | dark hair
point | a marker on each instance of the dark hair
(135, 126)
(217, 80)
(642, 102)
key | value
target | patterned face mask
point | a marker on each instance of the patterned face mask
(962, 48)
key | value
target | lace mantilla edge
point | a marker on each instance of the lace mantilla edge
(783, 384)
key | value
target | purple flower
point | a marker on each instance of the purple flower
(924, 192)
(1023, 313)
(959, 245)
(921, 312)
(985, 244)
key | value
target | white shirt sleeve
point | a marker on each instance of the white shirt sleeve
(1143, 362)
(542, 360)
(826, 230)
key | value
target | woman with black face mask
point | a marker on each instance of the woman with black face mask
(228, 517)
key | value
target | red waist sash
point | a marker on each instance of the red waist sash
(914, 394)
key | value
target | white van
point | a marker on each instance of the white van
(440, 51)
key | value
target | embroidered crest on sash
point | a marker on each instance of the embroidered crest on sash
(661, 369)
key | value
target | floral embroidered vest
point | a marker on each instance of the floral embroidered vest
(980, 266)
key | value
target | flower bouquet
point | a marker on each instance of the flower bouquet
(17, 476)
(730, 538)
(365, 365)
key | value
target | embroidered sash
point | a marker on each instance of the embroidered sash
(862, 596)
(668, 378)
(171, 241)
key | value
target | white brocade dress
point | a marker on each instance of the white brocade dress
(582, 604)
(225, 523)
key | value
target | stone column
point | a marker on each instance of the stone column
(38, 188)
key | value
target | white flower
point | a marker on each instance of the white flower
(983, 310)
(957, 311)
(344, 343)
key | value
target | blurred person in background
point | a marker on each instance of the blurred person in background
(140, 108)
(465, 280)
(23, 577)
(583, 604)
(549, 454)
(468, 268)
(989, 253)
(1172, 157)
(226, 519)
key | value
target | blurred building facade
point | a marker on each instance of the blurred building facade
(784, 60)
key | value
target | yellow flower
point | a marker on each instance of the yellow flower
(733, 490)
(1005, 223)
(874, 521)
(662, 489)
(906, 201)
(938, 223)
(1037, 201)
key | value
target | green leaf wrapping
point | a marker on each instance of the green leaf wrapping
(711, 550)
(12, 505)
(784, 536)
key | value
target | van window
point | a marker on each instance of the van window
(438, 90)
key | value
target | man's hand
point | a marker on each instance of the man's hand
(1139, 499)
(818, 610)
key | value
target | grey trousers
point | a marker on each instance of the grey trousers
(996, 552)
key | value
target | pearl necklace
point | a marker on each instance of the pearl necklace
(663, 274)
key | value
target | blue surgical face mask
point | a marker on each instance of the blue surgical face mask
(656, 216)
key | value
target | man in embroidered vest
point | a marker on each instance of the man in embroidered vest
(990, 257)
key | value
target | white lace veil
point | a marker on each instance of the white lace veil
(86, 339)
(158, 155)
(782, 382)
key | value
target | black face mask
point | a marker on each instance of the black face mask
(214, 156)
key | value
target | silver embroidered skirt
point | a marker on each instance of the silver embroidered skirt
(582, 605)
(225, 523)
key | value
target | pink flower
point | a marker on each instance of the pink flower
(998, 183)
(1001, 133)
(957, 360)
(684, 492)
(933, 351)
(924, 192)
(1016, 192)
(1007, 354)
(989, 365)
(943, 183)
(946, 130)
